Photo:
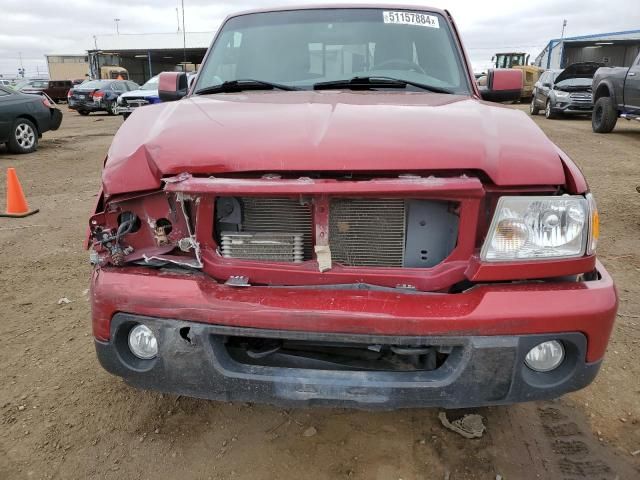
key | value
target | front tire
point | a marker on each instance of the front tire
(111, 108)
(24, 137)
(548, 111)
(533, 108)
(604, 116)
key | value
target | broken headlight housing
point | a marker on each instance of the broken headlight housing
(539, 228)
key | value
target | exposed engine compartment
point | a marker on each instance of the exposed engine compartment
(363, 232)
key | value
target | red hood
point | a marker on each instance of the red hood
(329, 131)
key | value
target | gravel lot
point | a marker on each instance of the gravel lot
(63, 417)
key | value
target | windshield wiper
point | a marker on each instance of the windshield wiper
(376, 82)
(243, 84)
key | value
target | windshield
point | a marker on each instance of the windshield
(152, 84)
(39, 84)
(97, 84)
(574, 82)
(508, 60)
(300, 48)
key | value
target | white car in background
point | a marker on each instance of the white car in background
(146, 95)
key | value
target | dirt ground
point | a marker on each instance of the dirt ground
(63, 417)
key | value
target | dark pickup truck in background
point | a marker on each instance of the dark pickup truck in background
(616, 93)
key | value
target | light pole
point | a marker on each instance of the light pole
(184, 40)
(117, 20)
(21, 70)
(564, 25)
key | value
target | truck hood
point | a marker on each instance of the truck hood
(331, 131)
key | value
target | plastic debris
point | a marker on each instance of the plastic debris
(469, 426)
(64, 301)
(310, 432)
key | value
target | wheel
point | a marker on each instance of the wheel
(24, 137)
(111, 108)
(604, 116)
(533, 109)
(84, 113)
(548, 113)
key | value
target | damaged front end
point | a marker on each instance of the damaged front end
(306, 290)
(152, 229)
(409, 232)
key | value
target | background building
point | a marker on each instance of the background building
(143, 55)
(146, 55)
(67, 67)
(616, 49)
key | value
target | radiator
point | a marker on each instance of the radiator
(367, 232)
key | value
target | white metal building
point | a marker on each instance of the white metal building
(615, 49)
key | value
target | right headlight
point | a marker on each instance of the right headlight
(530, 228)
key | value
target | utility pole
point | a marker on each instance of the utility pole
(184, 40)
(178, 17)
(21, 69)
(564, 25)
(117, 20)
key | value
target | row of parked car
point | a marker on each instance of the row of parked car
(589, 88)
(28, 109)
(116, 97)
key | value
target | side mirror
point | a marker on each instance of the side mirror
(503, 85)
(172, 86)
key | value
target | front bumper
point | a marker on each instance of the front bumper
(481, 370)
(493, 324)
(572, 108)
(121, 110)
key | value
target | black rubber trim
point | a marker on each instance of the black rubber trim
(482, 370)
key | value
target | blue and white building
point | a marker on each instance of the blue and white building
(615, 49)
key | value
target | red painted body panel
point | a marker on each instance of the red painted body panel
(474, 150)
(329, 131)
(588, 307)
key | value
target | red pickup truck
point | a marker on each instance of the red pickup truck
(332, 214)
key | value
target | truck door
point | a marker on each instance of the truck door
(632, 87)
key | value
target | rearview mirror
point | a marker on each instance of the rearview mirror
(172, 86)
(503, 85)
(546, 84)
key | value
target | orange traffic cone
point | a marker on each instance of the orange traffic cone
(16, 202)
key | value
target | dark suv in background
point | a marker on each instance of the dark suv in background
(57, 90)
(99, 95)
(565, 91)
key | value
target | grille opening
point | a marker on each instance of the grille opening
(335, 356)
(268, 229)
(365, 232)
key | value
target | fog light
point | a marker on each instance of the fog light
(142, 342)
(545, 356)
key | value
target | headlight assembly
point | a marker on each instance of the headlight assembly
(529, 228)
(561, 95)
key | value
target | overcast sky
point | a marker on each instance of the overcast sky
(38, 27)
